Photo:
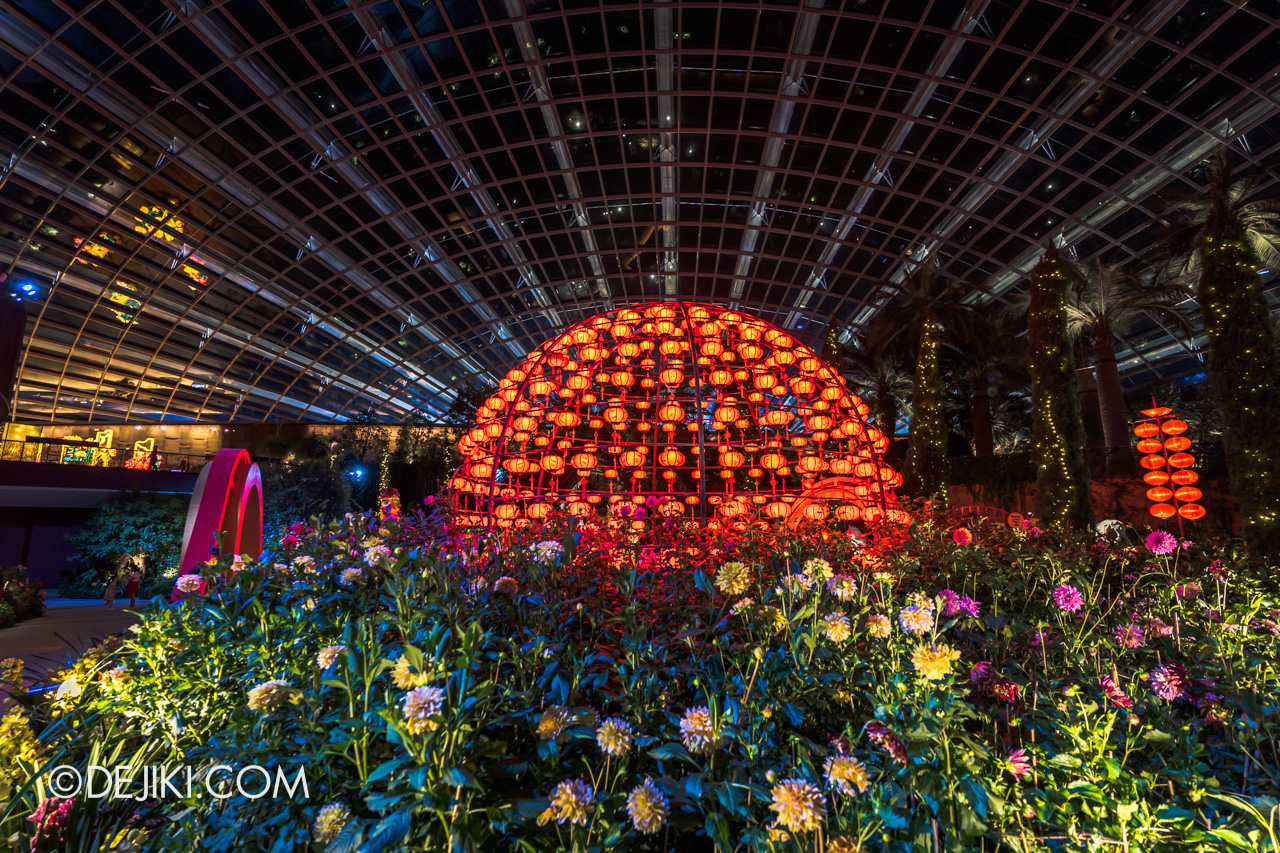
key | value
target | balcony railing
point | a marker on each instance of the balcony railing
(55, 451)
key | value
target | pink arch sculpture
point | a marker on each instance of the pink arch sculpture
(226, 508)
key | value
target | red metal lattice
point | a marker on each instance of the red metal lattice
(720, 413)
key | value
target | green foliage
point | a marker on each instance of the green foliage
(132, 523)
(299, 490)
(1062, 480)
(521, 647)
(20, 597)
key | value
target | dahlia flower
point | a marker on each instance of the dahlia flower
(648, 808)
(268, 695)
(883, 737)
(330, 822)
(961, 536)
(329, 655)
(843, 587)
(733, 578)
(614, 736)
(699, 734)
(844, 773)
(420, 705)
(553, 722)
(1019, 763)
(1068, 598)
(934, 662)
(1161, 544)
(799, 805)
(915, 619)
(1169, 681)
(1114, 693)
(836, 627)
(571, 802)
(879, 626)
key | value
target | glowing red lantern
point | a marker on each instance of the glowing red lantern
(1146, 430)
(1173, 427)
(1163, 511)
(1152, 462)
(1182, 460)
(1191, 511)
(1185, 478)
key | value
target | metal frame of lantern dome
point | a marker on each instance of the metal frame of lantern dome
(701, 334)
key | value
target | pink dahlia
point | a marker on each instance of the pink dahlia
(1068, 598)
(961, 536)
(1130, 636)
(882, 737)
(1161, 544)
(1169, 681)
(1114, 693)
(1019, 763)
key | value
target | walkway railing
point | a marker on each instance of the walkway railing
(55, 451)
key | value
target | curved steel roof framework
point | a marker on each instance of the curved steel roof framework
(294, 209)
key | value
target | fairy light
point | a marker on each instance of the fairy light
(1245, 372)
(1062, 480)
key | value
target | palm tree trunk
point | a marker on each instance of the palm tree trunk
(983, 439)
(1115, 420)
(1090, 415)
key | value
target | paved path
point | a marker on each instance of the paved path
(68, 627)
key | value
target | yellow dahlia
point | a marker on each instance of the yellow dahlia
(268, 695)
(699, 734)
(818, 568)
(799, 804)
(648, 808)
(844, 773)
(420, 705)
(614, 736)
(333, 818)
(934, 662)
(879, 626)
(844, 844)
(571, 802)
(836, 627)
(553, 722)
(403, 676)
(328, 656)
(733, 578)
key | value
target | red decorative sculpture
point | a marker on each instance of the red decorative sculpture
(226, 510)
(721, 414)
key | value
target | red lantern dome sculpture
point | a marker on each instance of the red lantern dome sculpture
(721, 413)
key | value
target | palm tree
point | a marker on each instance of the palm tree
(877, 366)
(986, 345)
(923, 303)
(1105, 300)
(1221, 238)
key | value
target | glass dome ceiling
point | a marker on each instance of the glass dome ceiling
(294, 209)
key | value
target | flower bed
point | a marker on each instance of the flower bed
(20, 597)
(575, 687)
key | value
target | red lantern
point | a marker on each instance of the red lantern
(1176, 443)
(1173, 427)
(1150, 445)
(1159, 494)
(1163, 511)
(1152, 462)
(1146, 430)
(1182, 460)
(1191, 511)
(1185, 478)
(1188, 494)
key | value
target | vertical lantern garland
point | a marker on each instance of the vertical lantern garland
(1169, 477)
(716, 413)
